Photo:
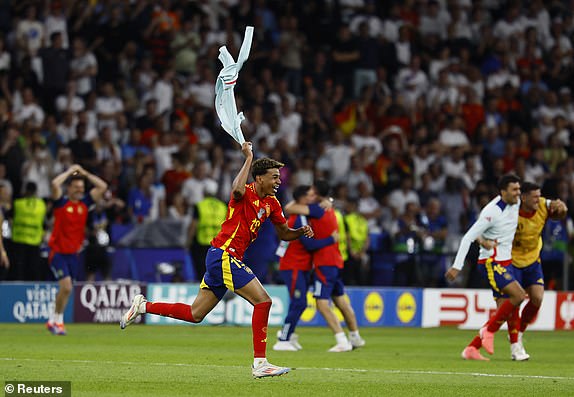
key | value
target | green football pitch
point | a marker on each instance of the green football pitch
(102, 360)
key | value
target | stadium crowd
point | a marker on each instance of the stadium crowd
(411, 110)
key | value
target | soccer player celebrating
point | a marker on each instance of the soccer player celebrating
(535, 210)
(494, 228)
(328, 277)
(250, 205)
(295, 266)
(70, 217)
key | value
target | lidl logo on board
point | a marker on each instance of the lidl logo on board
(406, 307)
(374, 307)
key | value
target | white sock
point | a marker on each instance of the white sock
(52, 317)
(59, 318)
(354, 334)
(341, 338)
(257, 361)
(142, 307)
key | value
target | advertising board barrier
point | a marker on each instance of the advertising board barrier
(471, 308)
(104, 302)
(30, 302)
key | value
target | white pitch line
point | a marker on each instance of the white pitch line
(384, 371)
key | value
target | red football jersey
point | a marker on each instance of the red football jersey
(323, 228)
(296, 257)
(69, 229)
(244, 218)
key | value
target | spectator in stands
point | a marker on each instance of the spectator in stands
(399, 198)
(83, 151)
(69, 101)
(38, 170)
(55, 70)
(108, 106)
(29, 111)
(174, 177)
(29, 33)
(146, 201)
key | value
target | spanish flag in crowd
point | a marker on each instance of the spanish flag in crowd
(346, 118)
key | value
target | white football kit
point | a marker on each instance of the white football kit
(497, 221)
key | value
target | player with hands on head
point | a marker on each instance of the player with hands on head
(68, 233)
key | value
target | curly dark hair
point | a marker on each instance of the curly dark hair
(260, 166)
(506, 180)
(528, 187)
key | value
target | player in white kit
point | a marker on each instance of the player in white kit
(494, 230)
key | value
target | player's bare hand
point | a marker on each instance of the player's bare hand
(247, 149)
(335, 236)
(486, 243)
(82, 171)
(74, 168)
(451, 274)
(557, 209)
(326, 204)
(307, 231)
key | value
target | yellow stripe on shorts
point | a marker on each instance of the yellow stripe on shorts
(203, 285)
(226, 270)
(490, 274)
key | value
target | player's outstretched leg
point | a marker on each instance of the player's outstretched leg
(204, 302)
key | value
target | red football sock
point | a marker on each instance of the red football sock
(259, 326)
(181, 311)
(513, 325)
(501, 315)
(528, 315)
(476, 342)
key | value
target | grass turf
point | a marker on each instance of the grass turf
(102, 360)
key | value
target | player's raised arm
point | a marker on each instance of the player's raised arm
(238, 187)
(295, 208)
(316, 211)
(60, 179)
(100, 186)
(311, 210)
